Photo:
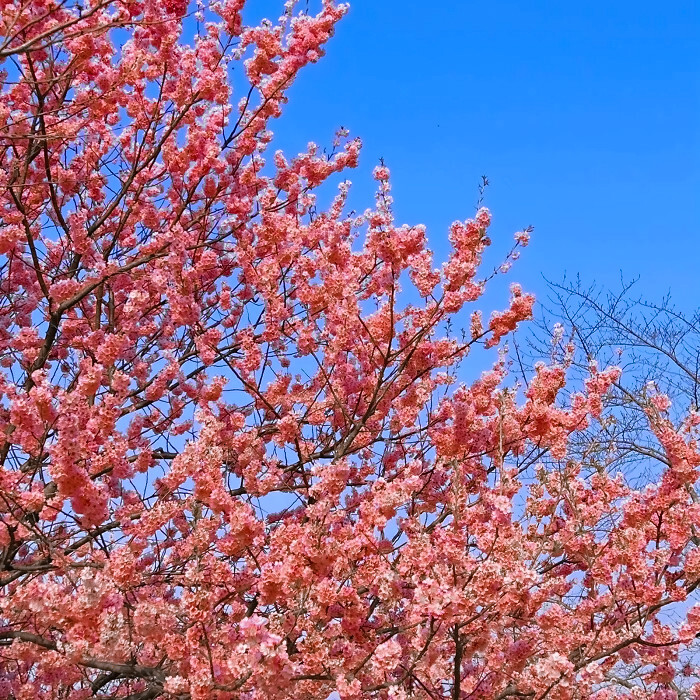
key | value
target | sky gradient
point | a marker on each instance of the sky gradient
(584, 116)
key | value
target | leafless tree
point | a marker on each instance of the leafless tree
(656, 344)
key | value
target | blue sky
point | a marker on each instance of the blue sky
(584, 116)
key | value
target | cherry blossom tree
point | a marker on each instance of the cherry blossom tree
(237, 457)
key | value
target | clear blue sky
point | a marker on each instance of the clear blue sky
(585, 117)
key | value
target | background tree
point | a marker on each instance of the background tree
(657, 346)
(236, 462)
